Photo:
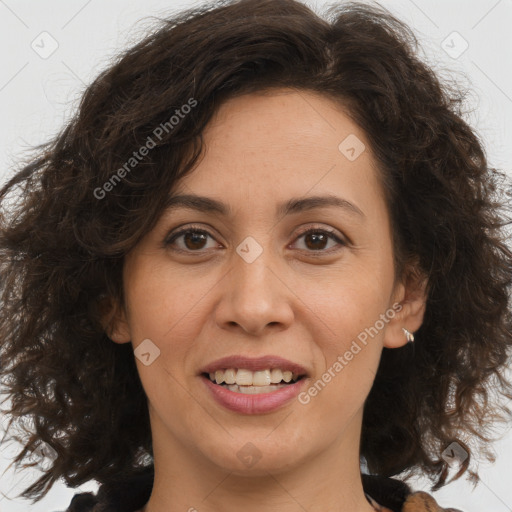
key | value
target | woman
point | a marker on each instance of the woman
(267, 249)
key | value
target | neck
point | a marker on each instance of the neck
(326, 481)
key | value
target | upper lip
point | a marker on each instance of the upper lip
(254, 364)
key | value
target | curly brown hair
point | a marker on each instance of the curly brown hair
(63, 239)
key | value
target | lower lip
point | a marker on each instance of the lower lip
(253, 404)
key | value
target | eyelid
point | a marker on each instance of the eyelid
(333, 233)
(179, 231)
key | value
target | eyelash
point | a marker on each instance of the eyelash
(170, 239)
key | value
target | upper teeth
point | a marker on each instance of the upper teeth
(244, 377)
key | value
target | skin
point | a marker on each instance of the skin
(262, 149)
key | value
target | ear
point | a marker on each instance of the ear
(410, 298)
(113, 320)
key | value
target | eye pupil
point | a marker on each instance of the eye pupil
(315, 237)
(196, 238)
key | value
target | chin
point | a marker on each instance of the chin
(256, 456)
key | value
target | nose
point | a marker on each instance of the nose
(255, 298)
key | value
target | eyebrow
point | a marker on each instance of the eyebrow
(294, 205)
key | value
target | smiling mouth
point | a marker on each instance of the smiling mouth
(252, 383)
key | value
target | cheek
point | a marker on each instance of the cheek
(161, 301)
(166, 308)
(348, 329)
(349, 340)
(347, 303)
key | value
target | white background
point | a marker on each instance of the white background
(38, 94)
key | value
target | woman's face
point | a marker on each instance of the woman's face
(246, 282)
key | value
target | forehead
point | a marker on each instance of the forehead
(277, 120)
(279, 144)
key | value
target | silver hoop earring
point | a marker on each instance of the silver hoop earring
(408, 335)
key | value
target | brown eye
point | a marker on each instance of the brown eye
(316, 240)
(191, 240)
(195, 240)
